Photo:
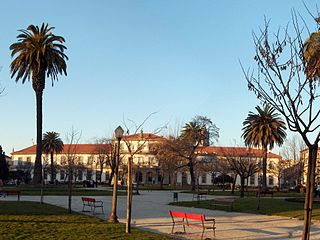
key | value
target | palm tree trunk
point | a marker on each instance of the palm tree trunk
(309, 191)
(52, 168)
(264, 168)
(37, 176)
(193, 179)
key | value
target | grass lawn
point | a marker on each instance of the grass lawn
(30, 220)
(251, 194)
(268, 206)
(62, 190)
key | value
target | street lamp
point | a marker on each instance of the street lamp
(118, 133)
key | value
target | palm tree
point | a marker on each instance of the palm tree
(262, 129)
(311, 61)
(311, 54)
(191, 138)
(38, 54)
(51, 144)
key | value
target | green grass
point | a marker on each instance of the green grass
(251, 193)
(62, 190)
(268, 206)
(30, 220)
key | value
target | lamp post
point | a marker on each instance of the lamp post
(113, 217)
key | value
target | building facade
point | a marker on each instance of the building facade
(87, 159)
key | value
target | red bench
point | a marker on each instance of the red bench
(192, 220)
(178, 218)
(92, 203)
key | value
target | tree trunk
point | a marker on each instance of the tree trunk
(234, 183)
(52, 168)
(193, 179)
(70, 189)
(264, 168)
(309, 191)
(161, 181)
(111, 177)
(242, 187)
(129, 196)
(113, 217)
(37, 174)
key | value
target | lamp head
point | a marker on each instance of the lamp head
(119, 133)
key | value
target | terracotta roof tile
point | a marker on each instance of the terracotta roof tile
(146, 136)
(80, 148)
(236, 151)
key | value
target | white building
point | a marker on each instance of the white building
(145, 165)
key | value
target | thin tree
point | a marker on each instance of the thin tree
(244, 162)
(38, 54)
(287, 79)
(71, 151)
(264, 129)
(52, 144)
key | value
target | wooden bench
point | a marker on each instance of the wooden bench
(192, 220)
(224, 202)
(8, 192)
(264, 193)
(199, 196)
(92, 203)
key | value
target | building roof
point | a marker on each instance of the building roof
(234, 151)
(78, 148)
(143, 136)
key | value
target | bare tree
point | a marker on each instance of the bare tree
(283, 80)
(104, 152)
(72, 139)
(138, 148)
(168, 162)
(245, 163)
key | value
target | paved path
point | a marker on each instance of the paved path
(150, 212)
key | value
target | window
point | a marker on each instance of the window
(253, 179)
(204, 178)
(63, 160)
(80, 160)
(271, 165)
(212, 177)
(19, 161)
(28, 161)
(271, 180)
(89, 174)
(62, 174)
(90, 160)
(98, 176)
(107, 176)
(80, 173)
(140, 160)
(149, 177)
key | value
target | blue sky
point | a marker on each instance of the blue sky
(130, 58)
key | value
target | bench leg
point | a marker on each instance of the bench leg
(172, 228)
(202, 233)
